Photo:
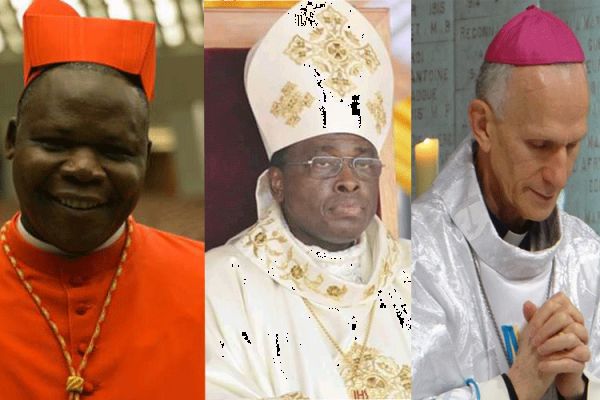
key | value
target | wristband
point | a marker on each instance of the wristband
(585, 390)
(509, 386)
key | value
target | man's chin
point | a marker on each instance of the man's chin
(73, 239)
(539, 215)
(346, 233)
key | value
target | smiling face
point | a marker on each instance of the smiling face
(333, 212)
(79, 153)
(529, 153)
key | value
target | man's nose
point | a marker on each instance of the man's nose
(83, 165)
(557, 168)
(347, 181)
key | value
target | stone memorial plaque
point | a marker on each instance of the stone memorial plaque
(462, 129)
(432, 21)
(432, 90)
(557, 6)
(464, 9)
(471, 40)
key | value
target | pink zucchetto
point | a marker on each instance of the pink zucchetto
(534, 37)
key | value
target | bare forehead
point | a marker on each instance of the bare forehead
(548, 102)
(546, 78)
(542, 94)
(65, 95)
(64, 83)
(84, 103)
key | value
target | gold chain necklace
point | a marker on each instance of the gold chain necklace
(348, 358)
(75, 381)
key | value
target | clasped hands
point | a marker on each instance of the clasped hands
(552, 348)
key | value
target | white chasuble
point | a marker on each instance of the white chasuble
(280, 325)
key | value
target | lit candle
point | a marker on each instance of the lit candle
(426, 164)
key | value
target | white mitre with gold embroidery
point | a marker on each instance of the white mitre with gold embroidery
(321, 68)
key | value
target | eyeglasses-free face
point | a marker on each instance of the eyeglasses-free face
(79, 156)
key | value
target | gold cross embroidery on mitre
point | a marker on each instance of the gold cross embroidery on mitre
(376, 109)
(335, 51)
(291, 103)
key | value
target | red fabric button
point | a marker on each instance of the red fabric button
(82, 348)
(81, 309)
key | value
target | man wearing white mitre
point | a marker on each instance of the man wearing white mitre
(313, 301)
(505, 285)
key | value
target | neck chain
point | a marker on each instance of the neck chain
(353, 361)
(75, 381)
(487, 301)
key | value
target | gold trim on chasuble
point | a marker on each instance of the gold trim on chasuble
(335, 51)
(376, 377)
(293, 396)
(273, 249)
(368, 374)
(267, 243)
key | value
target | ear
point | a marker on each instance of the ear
(11, 137)
(276, 183)
(483, 123)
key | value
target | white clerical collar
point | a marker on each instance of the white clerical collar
(35, 242)
(514, 238)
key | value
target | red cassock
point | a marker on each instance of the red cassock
(151, 344)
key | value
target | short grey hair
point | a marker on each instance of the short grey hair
(491, 84)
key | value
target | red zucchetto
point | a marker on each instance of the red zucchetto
(534, 37)
(54, 33)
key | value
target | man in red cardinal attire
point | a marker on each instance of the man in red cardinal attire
(91, 302)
